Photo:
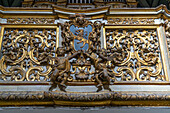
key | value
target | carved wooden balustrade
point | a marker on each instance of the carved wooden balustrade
(102, 52)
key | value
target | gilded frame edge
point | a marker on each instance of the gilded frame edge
(162, 42)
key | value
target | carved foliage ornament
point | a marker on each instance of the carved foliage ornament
(131, 21)
(84, 97)
(167, 30)
(22, 51)
(30, 20)
(136, 54)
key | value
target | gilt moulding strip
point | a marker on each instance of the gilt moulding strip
(32, 98)
(30, 20)
(131, 21)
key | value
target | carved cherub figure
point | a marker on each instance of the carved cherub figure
(102, 73)
(61, 69)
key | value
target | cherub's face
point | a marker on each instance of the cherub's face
(80, 20)
(104, 52)
(60, 51)
(97, 24)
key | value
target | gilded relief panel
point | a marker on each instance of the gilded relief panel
(136, 53)
(22, 50)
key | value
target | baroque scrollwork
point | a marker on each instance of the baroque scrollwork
(131, 21)
(167, 30)
(30, 20)
(137, 55)
(32, 55)
(22, 51)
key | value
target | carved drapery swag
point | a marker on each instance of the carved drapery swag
(31, 55)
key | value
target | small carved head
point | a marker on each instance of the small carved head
(97, 24)
(60, 51)
(103, 52)
(79, 18)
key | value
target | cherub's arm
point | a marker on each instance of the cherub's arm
(88, 55)
(47, 59)
(75, 54)
(68, 66)
(103, 57)
(44, 60)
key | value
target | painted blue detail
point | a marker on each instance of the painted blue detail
(85, 35)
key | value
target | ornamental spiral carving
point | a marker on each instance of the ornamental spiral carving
(22, 50)
(137, 55)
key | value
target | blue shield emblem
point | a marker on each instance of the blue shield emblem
(81, 37)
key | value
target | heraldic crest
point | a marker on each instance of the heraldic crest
(80, 60)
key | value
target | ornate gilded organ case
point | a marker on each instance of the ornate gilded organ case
(84, 57)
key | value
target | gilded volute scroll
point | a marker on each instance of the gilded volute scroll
(23, 49)
(137, 54)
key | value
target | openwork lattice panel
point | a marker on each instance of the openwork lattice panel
(23, 49)
(136, 54)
